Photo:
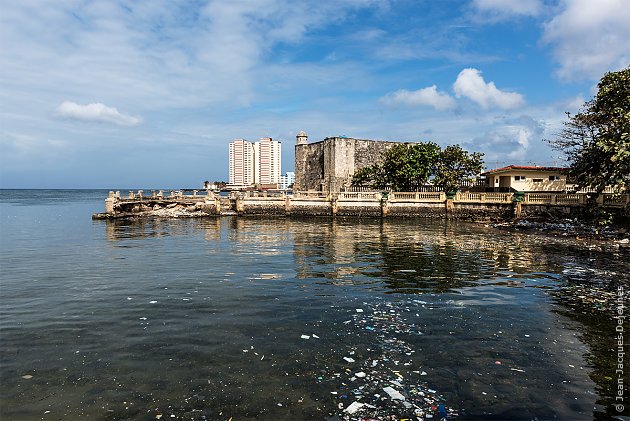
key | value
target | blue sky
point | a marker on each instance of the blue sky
(131, 94)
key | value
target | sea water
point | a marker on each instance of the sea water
(279, 318)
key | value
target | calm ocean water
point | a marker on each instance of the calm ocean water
(250, 318)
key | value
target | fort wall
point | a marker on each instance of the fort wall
(329, 165)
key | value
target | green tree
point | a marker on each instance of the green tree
(596, 140)
(408, 166)
(455, 166)
(368, 177)
(405, 166)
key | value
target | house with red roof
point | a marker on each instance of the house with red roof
(526, 178)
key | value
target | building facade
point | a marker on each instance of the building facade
(527, 179)
(267, 161)
(241, 165)
(256, 163)
(287, 180)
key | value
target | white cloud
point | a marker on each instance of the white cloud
(590, 37)
(426, 96)
(470, 84)
(496, 10)
(96, 112)
(513, 141)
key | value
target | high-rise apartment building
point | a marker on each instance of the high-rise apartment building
(268, 155)
(241, 163)
(255, 163)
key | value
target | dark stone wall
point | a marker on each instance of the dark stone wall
(416, 210)
(310, 208)
(485, 212)
(370, 152)
(309, 167)
(264, 208)
(333, 161)
(360, 209)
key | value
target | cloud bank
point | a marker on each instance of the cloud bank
(504, 9)
(589, 37)
(426, 96)
(470, 84)
(96, 112)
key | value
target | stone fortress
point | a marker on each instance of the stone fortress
(328, 165)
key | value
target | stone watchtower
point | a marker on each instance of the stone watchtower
(302, 138)
(303, 155)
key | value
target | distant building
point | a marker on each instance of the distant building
(267, 161)
(527, 179)
(254, 163)
(241, 165)
(287, 180)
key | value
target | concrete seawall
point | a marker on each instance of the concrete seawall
(466, 206)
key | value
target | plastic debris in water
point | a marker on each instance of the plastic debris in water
(305, 337)
(393, 393)
(350, 360)
(355, 406)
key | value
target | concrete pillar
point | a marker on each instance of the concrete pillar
(518, 209)
(109, 203)
(287, 205)
(240, 204)
(449, 206)
(384, 206)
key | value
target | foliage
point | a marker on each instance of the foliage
(597, 139)
(405, 167)
(454, 166)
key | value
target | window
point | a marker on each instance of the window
(519, 178)
(554, 177)
(537, 180)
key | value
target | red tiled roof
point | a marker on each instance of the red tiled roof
(525, 168)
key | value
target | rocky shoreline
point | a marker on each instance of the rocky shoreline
(573, 230)
(173, 210)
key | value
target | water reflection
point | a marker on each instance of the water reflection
(417, 257)
(477, 278)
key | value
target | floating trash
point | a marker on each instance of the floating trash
(385, 382)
